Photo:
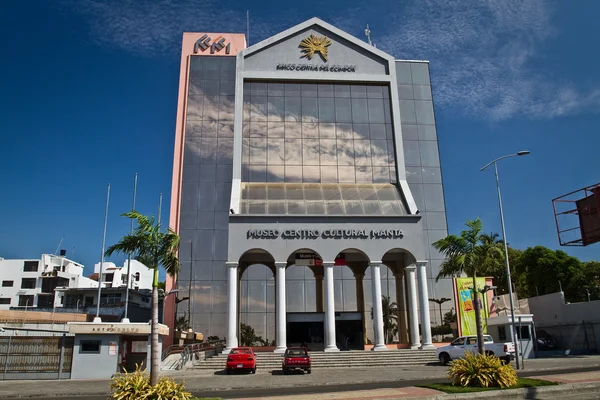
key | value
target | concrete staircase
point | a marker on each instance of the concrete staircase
(343, 359)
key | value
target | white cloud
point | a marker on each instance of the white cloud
(485, 54)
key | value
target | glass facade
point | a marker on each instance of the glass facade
(206, 191)
(317, 133)
(423, 171)
(307, 149)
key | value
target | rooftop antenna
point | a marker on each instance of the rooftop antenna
(58, 248)
(368, 35)
(248, 27)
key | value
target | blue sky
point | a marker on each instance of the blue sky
(89, 93)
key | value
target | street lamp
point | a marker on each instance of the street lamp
(510, 290)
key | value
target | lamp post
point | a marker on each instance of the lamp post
(510, 290)
(440, 302)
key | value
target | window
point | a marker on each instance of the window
(108, 277)
(7, 283)
(31, 266)
(89, 301)
(459, 342)
(28, 283)
(5, 300)
(110, 298)
(472, 341)
(487, 339)
(89, 347)
(25, 301)
(523, 332)
(501, 333)
(137, 276)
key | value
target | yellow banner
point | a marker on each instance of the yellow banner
(466, 306)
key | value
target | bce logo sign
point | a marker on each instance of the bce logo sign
(206, 42)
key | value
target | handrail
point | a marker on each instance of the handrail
(190, 350)
(195, 347)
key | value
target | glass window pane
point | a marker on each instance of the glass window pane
(361, 131)
(328, 152)
(422, 92)
(258, 129)
(310, 152)
(276, 109)
(346, 174)
(275, 129)
(377, 131)
(429, 154)
(296, 207)
(256, 207)
(293, 109)
(381, 174)
(364, 174)
(343, 110)
(431, 175)
(354, 208)
(311, 174)
(276, 207)
(375, 92)
(372, 208)
(258, 151)
(326, 110)
(424, 110)
(327, 131)
(325, 90)
(409, 132)
(434, 197)
(420, 73)
(345, 152)
(334, 207)
(309, 109)
(427, 132)
(413, 175)
(403, 74)
(293, 130)
(362, 152)
(309, 90)
(342, 90)
(412, 156)
(358, 91)
(376, 111)
(331, 193)
(407, 112)
(276, 192)
(350, 192)
(388, 193)
(293, 152)
(313, 192)
(295, 192)
(275, 89)
(292, 89)
(329, 174)
(360, 111)
(315, 207)
(258, 109)
(405, 92)
(293, 173)
(310, 130)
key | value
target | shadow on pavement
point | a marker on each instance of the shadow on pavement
(531, 393)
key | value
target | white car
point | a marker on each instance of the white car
(458, 348)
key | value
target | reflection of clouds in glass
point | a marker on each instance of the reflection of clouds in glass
(342, 126)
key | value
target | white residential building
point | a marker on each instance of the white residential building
(32, 282)
(114, 277)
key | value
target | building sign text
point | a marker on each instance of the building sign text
(317, 68)
(325, 234)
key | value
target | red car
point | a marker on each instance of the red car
(241, 358)
(296, 358)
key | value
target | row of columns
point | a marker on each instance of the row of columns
(414, 298)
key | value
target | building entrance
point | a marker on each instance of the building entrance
(309, 329)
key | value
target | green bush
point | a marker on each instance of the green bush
(136, 385)
(481, 371)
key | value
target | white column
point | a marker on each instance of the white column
(377, 308)
(232, 303)
(411, 287)
(280, 307)
(424, 306)
(330, 344)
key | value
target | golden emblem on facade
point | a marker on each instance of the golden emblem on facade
(314, 44)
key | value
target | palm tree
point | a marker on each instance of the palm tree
(469, 253)
(390, 318)
(152, 247)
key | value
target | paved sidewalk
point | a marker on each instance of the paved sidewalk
(203, 381)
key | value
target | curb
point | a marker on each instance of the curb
(523, 393)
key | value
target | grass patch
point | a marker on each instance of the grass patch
(447, 387)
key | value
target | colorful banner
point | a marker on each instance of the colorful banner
(466, 306)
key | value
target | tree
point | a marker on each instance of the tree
(541, 270)
(390, 318)
(469, 253)
(182, 323)
(152, 247)
(248, 337)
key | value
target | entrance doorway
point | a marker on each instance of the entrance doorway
(309, 329)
